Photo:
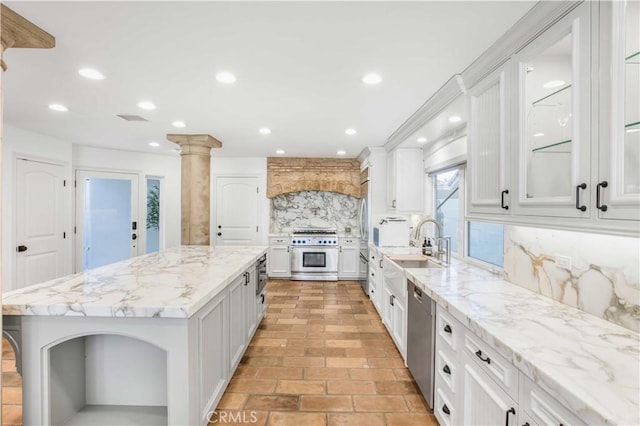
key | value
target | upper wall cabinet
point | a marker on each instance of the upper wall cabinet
(488, 162)
(617, 190)
(405, 180)
(552, 122)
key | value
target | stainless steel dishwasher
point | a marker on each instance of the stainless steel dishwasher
(421, 340)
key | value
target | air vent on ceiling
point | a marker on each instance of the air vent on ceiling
(131, 117)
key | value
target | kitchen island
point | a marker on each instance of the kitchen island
(149, 340)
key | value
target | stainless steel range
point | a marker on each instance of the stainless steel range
(314, 254)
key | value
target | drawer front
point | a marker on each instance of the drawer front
(446, 368)
(545, 409)
(279, 241)
(349, 242)
(444, 408)
(503, 372)
(449, 330)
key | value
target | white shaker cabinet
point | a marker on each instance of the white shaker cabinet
(552, 123)
(405, 180)
(617, 187)
(279, 258)
(488, 163)
(375, 278)
(349, 259)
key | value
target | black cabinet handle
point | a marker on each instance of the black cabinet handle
(446, 369)
(134, 237)
(447, 329)
(599, 206)
(262, 299)
(578, 188)
(445, 410)
(246, 278)
(219, 234)
(20, 249)
(380, 263)
(526, 424)
(479, 355)
(512, 411)
(391, 299)
(502, 194)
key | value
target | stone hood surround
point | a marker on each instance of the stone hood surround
(174, 283)
(286, 175)
(590, 365)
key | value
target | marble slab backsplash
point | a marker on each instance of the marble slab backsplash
(603, 279)
(316, 209)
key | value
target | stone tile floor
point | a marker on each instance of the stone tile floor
(321, 356)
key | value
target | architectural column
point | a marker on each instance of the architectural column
(195, 186)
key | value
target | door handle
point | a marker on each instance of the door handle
(599, 206)
(391, 299)
(447, 329)
(512, 411)
(134, 237)
(578, 188)
(446, 410)
(486, 359)
(502, 194)
(20, 249)
(446, 369)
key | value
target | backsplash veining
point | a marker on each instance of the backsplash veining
(603, 279)
(314, 208)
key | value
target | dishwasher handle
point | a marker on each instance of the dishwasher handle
(417, 294)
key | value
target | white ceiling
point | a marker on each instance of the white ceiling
(298, 67)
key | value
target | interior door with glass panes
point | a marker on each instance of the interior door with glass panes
(617, 190)
(553, 120)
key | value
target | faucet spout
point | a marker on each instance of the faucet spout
(417, 234)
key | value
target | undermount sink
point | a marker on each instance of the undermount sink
(414, 261)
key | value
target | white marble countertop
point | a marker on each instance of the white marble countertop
(590, 365)
(174, 283)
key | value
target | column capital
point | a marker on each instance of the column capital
(195, 144)
(18, 32)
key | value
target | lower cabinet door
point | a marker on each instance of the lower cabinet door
(485, 403)
(445, 408)
(387, 308)
(250, 314)
(237, 332)
(399, 321)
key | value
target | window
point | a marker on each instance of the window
(448, 207)
(153, 215)
(486, 242)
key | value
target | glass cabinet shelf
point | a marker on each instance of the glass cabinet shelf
(542, 148)
(537, 103)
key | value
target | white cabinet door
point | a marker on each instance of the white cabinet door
(237, 334)
(488, 165)
(405, 180)
(387, 308)
(484, 403)
(349, 259)
(279, 260)
(617, 190)
(391, 180)
(552, 122)
(251, 314)
(399, 324)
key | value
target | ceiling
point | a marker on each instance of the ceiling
(298, 66)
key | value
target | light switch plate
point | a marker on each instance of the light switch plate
(563, 262)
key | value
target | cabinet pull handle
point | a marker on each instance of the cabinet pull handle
(288, 249)
(391, 299)
(578, 188)
(380, 263)
(509, 411)
(393, 204)
(479, 355)
(447, 329)
(262, 297)
(526, 424)
(502, 194)
(445, 410)
(446, 369)
(599, 206)
(246, 278)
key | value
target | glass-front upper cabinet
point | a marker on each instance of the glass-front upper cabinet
(618, 181)
(553, 120)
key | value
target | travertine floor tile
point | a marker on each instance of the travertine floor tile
(379, 403)
(326, 403)
(411, 419)
(356, 419)
(296, 419)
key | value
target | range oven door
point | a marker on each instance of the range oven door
(314, 259)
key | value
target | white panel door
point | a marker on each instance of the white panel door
(236, 209)
(39, 222)
(107, 224)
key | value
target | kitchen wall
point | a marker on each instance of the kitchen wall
(603, 279)
(314, 208)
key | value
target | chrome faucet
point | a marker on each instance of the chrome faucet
(415, 240)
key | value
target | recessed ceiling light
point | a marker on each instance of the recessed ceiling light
(372, 79)
(146, 105)
(91, 74)
(421, 139)
(537, 135)
(280, 151)
(154, 144)
(58, 107)
(350, 132)
(553, 84)
(341, 152)
(454, 119)
(633, 130)
(179, 124)
(226, 77)
(265, 131)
